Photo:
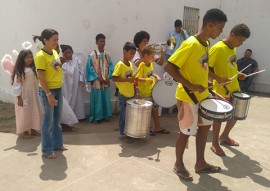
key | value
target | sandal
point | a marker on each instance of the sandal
(231, 142)
(35, 132)
(163, 131)
(218, 151)
(151, 133)
(51, 156)
(209, 169)
(61, 149)
(183, 174)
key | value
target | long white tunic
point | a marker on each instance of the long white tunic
(73, 72)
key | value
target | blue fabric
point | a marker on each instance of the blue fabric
(122, 114)
(245, 84)
(51, 131)
(91, 74)
(179, 39)
(100, 104)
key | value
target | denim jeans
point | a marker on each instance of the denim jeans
(51, 131)
(122, 115)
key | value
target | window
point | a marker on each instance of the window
(191, 20)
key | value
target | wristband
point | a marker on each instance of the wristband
(48, 94)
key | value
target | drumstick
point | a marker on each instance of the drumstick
(209, 87)
(221, 84)
(218, 95)
(240, 72)
(255, 73)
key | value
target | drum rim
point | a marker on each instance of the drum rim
(243, 98)
(230, 115)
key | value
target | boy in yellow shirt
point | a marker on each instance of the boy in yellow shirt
(147, 79)
(192, 60)
(123, 76)
(223, 64)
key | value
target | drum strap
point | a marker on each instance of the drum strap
(191, 95)
(227, 91)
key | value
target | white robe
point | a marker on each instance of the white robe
(73, 73)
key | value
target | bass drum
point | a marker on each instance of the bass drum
(163, 93)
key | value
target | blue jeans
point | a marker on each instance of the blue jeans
(51, 131)
(122, 115)
(245, 84)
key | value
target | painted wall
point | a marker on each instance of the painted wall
(79, 21)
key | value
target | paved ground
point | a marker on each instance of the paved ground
(98, 160)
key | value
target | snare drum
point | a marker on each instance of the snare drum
(163, 93)
(215, 109)
(138, 118)
(240, 102)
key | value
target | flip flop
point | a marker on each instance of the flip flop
(209, 169)
(218, 151)
(183, 174)
(163, 131)
(61, 149)
(230, 143)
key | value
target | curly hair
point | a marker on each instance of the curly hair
(139, 36)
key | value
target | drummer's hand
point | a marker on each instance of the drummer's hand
(242, 76)
(131, 79)
(196, 88)
(222, 80)
(148, 81)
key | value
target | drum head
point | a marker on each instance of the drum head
(213, 105)
(163, 93)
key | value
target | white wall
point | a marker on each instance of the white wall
(79, 21)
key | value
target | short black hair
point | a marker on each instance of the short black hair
(214, 15)
(249, 50)
(65, 47)
(129, 46)
(139, 36)
(241, 30)
(100, 36)
(178, 23)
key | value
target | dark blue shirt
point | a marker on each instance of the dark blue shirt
(243, 62)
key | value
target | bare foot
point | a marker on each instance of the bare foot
(25, 135)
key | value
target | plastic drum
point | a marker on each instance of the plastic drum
(163, 93)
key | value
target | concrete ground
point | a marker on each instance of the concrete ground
(97, 160)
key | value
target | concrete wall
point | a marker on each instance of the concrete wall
(79, 21)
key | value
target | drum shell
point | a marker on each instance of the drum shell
(138, 118)
(241, 106)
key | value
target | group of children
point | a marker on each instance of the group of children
(191, 65)
(49, 87)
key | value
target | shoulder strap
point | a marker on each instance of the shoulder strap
(191, 95)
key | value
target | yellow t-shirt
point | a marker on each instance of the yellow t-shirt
(124, 71)
(145, 72)
(53, 73)
(191, 58)
(223, 61)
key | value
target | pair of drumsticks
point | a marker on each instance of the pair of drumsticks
(222, 84)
